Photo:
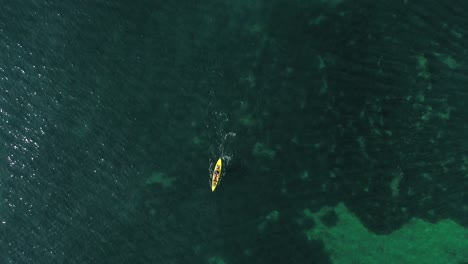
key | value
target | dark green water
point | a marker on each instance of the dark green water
(113, 112)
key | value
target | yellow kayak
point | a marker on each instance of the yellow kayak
(216, 176)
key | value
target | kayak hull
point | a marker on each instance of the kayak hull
(216, 175)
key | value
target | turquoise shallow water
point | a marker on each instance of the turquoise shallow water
(112, 115)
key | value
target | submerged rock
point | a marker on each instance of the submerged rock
(349, 241)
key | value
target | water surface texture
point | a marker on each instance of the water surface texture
(342, 126)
